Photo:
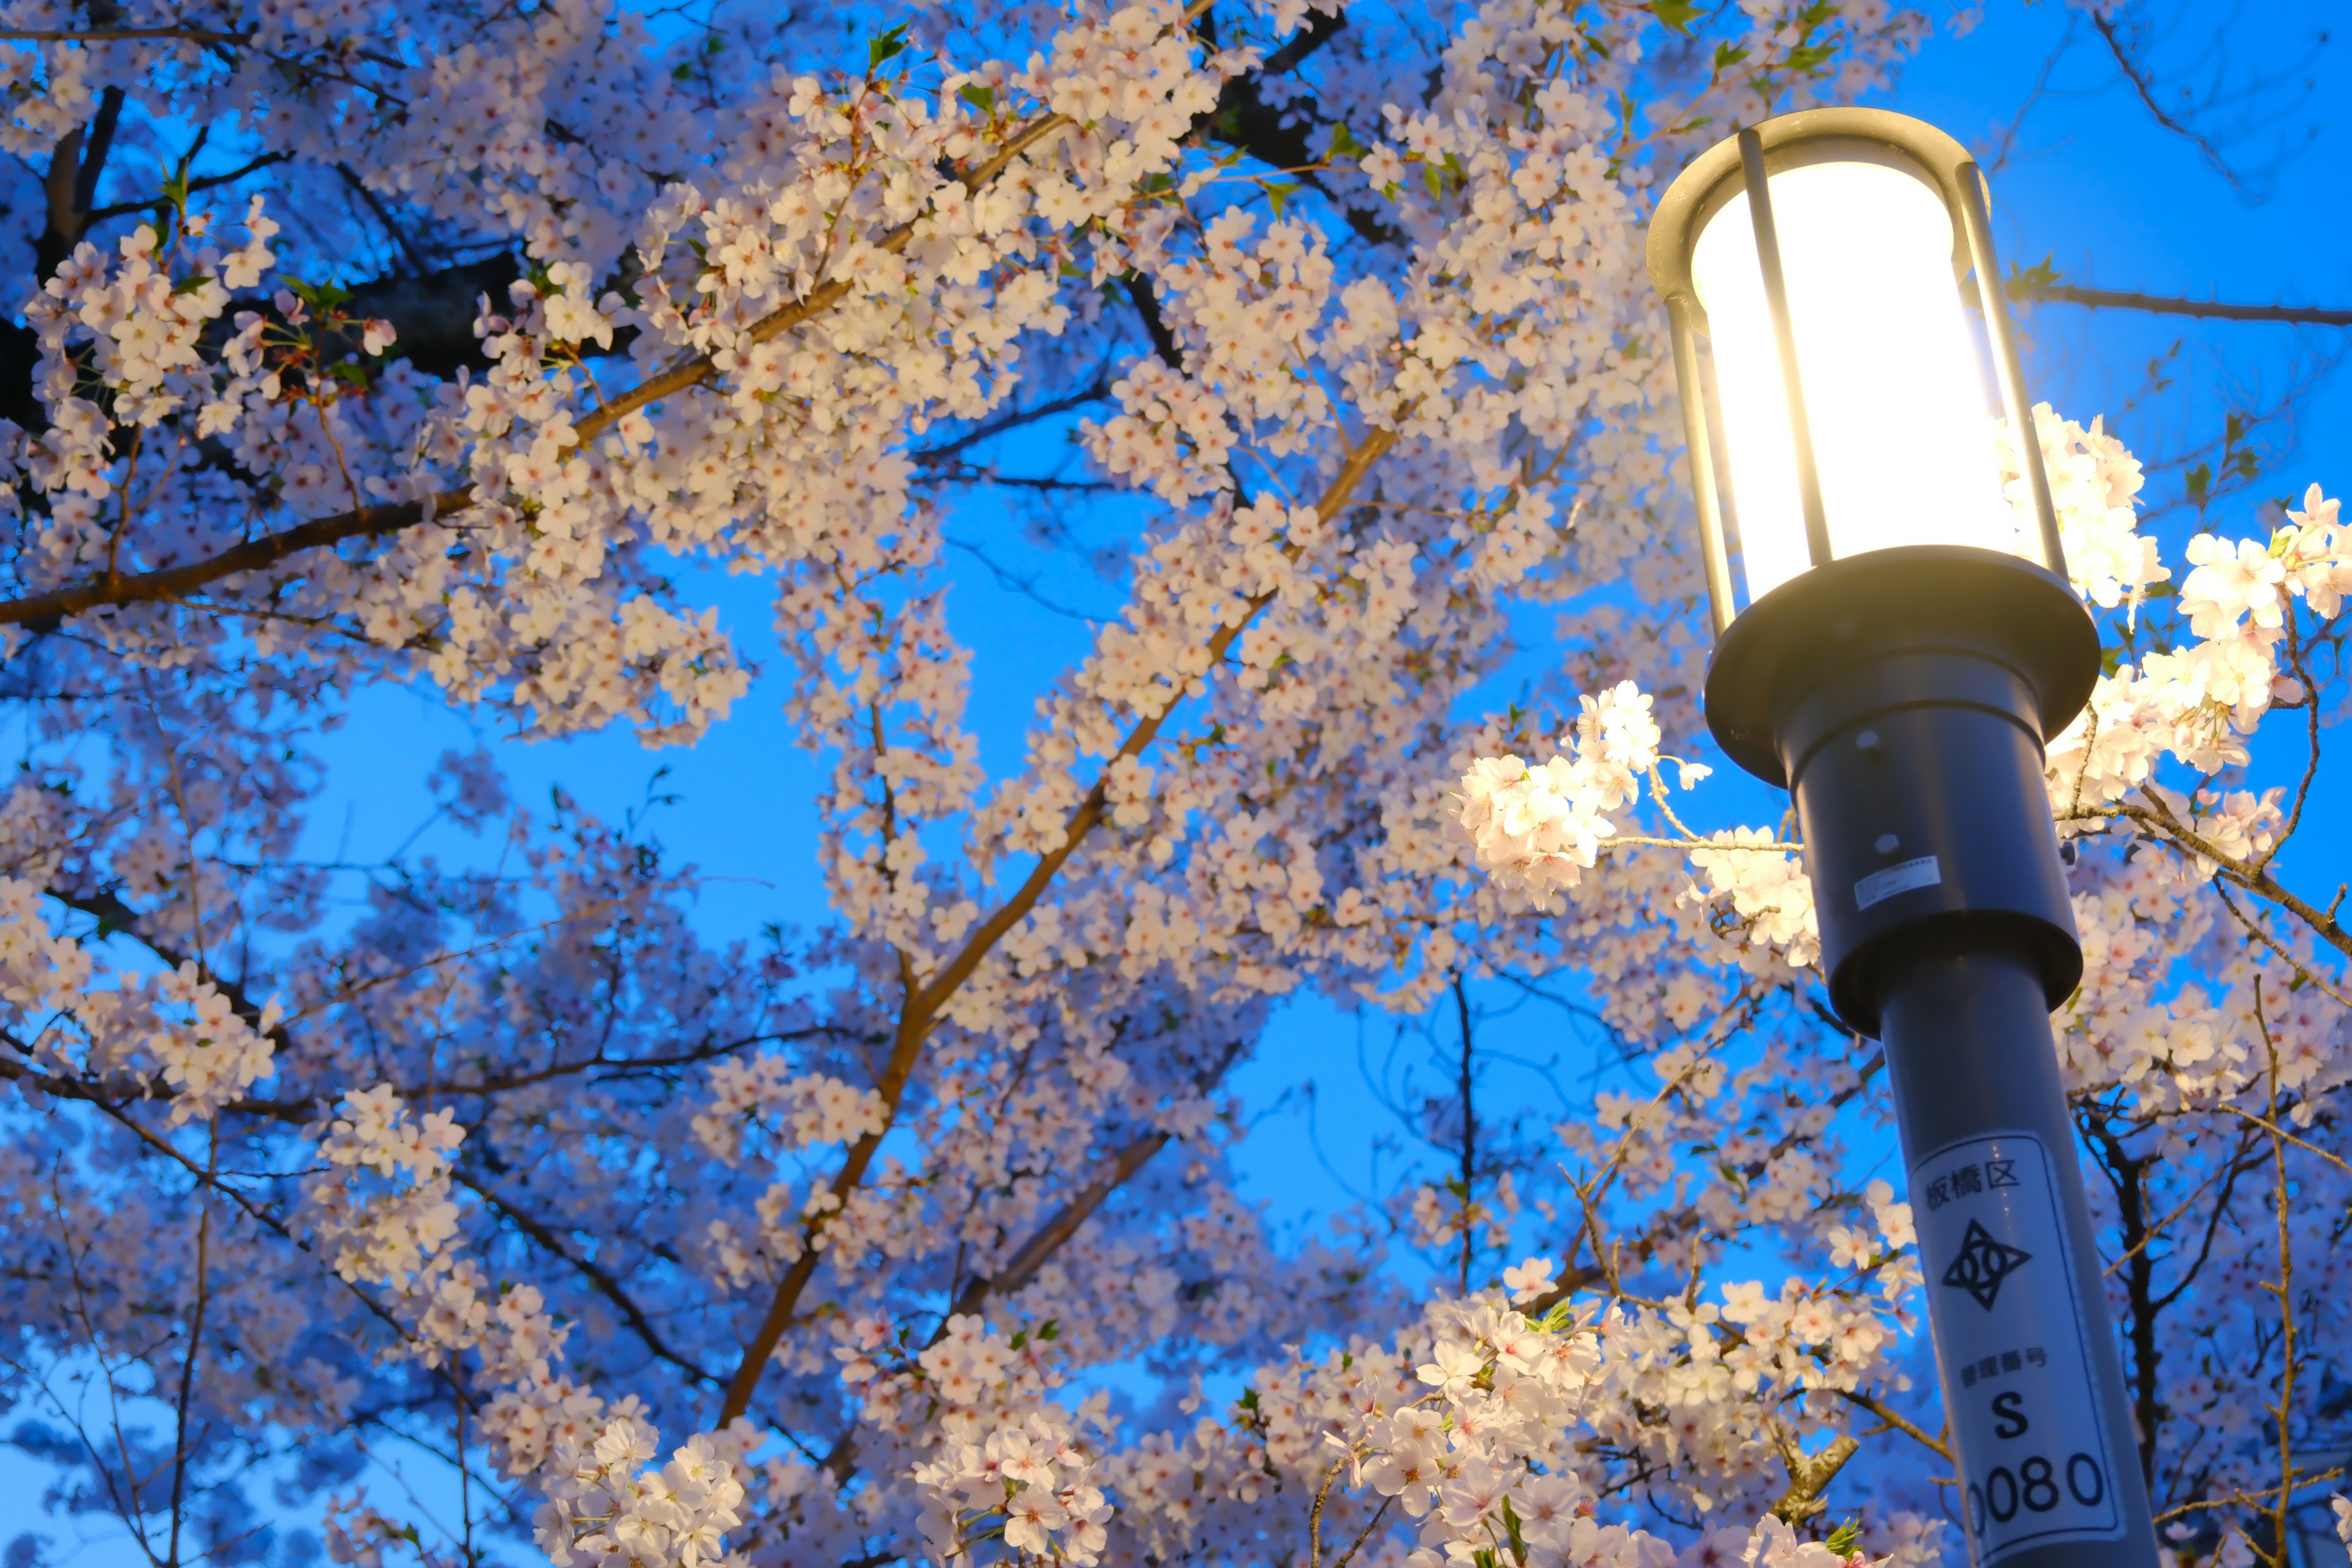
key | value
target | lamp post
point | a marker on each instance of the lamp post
(1903, 651)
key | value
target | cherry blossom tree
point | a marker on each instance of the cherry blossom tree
(454, 346)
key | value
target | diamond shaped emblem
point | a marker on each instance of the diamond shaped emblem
(1983, 1264)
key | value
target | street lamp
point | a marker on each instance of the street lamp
(1904, 648)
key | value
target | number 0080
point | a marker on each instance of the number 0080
(2034, 1489)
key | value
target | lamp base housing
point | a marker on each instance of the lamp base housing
(1904, 697)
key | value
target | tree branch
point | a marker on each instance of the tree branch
(204, 182)
(1050, 1237)
(117, 35)
(111, 1095)
(2260, 883)
(93, 160)
(1808, 1477)
(2028, 292)
(44, 610)
(597, 1274)
(921, 1009)
(258, 1216)
(1147, 305)
(1877, 1407)
(2143, 82)
(1012, 419)
(2272, 1127)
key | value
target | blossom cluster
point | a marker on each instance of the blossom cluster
(2094, 486)
(802, 1108)
(1478, 1425)
(1541, 828)
(1028, 1483)
(177, 1029)
(603, 1510)
(391, 1230)
(2198, 701)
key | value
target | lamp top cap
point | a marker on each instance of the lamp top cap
(1809, 135)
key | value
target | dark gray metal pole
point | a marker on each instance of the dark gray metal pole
(1904, 698)
(2032, 1379)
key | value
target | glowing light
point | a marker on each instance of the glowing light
(1902, 435)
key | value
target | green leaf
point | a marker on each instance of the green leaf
(318, 296)
(1278, 192)
(979, 95)
(1343, 142)
(1843, 1537)
(2023, 279)
(1511, 1526)
(1676, 13)
(1434, 178)
(1050, 1330)
(889, 45)
(1727, 56)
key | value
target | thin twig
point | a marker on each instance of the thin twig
(195, 1338)
(1934, 1444)
(1365, 1534)
(2275, 1131)
(2158, 1227)
(2283, 1411)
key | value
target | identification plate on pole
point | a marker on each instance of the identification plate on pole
(2012, 1338)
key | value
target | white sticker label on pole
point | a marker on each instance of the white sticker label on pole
(1880, 886)
(2014, 1341)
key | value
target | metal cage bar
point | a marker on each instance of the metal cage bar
(1976, 224)
(1713, 554)
(1793, 384)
